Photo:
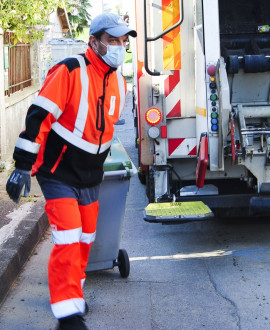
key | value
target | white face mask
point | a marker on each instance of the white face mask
(115, 55)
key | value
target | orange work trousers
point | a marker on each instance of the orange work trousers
(73, 219)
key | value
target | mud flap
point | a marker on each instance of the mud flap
(177, 212)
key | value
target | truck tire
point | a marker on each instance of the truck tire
(141, 173)
(142, 176)
(150, 186)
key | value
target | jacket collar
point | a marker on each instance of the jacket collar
(97, 63)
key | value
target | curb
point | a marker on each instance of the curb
(17, 249)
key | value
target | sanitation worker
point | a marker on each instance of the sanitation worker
(68, 133)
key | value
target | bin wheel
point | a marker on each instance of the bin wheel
(123, 263)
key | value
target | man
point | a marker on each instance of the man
(69, 128)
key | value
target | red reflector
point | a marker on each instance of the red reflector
(163, 132)
(153, 116)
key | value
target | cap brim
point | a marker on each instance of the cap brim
(121, 31)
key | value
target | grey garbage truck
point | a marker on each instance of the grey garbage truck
(202, 107)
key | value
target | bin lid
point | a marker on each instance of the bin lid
(117, 158)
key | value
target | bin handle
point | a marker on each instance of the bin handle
(122, 173)
(127, 169)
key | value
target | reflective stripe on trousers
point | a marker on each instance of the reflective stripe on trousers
(72, 218)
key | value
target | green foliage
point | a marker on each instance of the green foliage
(128, 58)
(78, 15)
(26, 18)
(84, 35)
(2, 167)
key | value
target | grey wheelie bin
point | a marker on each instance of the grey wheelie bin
(105, 252)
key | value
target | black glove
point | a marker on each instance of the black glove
(15, 183)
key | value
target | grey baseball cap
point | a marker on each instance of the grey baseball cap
(112, 24)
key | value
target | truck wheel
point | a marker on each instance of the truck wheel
(150, 186)
(141, 176)
(124, 265)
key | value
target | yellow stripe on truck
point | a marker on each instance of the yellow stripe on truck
(171, 41)
(201, 111)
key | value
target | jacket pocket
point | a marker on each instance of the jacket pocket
(53, 169)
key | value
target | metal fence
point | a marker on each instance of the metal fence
(19, 65)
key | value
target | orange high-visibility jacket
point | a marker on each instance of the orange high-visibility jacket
(69, 126)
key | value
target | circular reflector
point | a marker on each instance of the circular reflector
(153, 116)
(153, 132)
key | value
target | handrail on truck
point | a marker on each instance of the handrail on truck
(147, 39)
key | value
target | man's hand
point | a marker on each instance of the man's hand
(15, 183)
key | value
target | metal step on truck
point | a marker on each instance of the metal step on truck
(202, 108)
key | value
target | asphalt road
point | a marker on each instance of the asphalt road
(198, 275)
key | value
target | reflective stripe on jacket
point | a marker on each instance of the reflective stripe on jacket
(69, 126)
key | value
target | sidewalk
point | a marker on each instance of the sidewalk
(21, 228)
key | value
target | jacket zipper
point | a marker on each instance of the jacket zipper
(100, 123)
(59, 159)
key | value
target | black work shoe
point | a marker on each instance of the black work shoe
(75, 322)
